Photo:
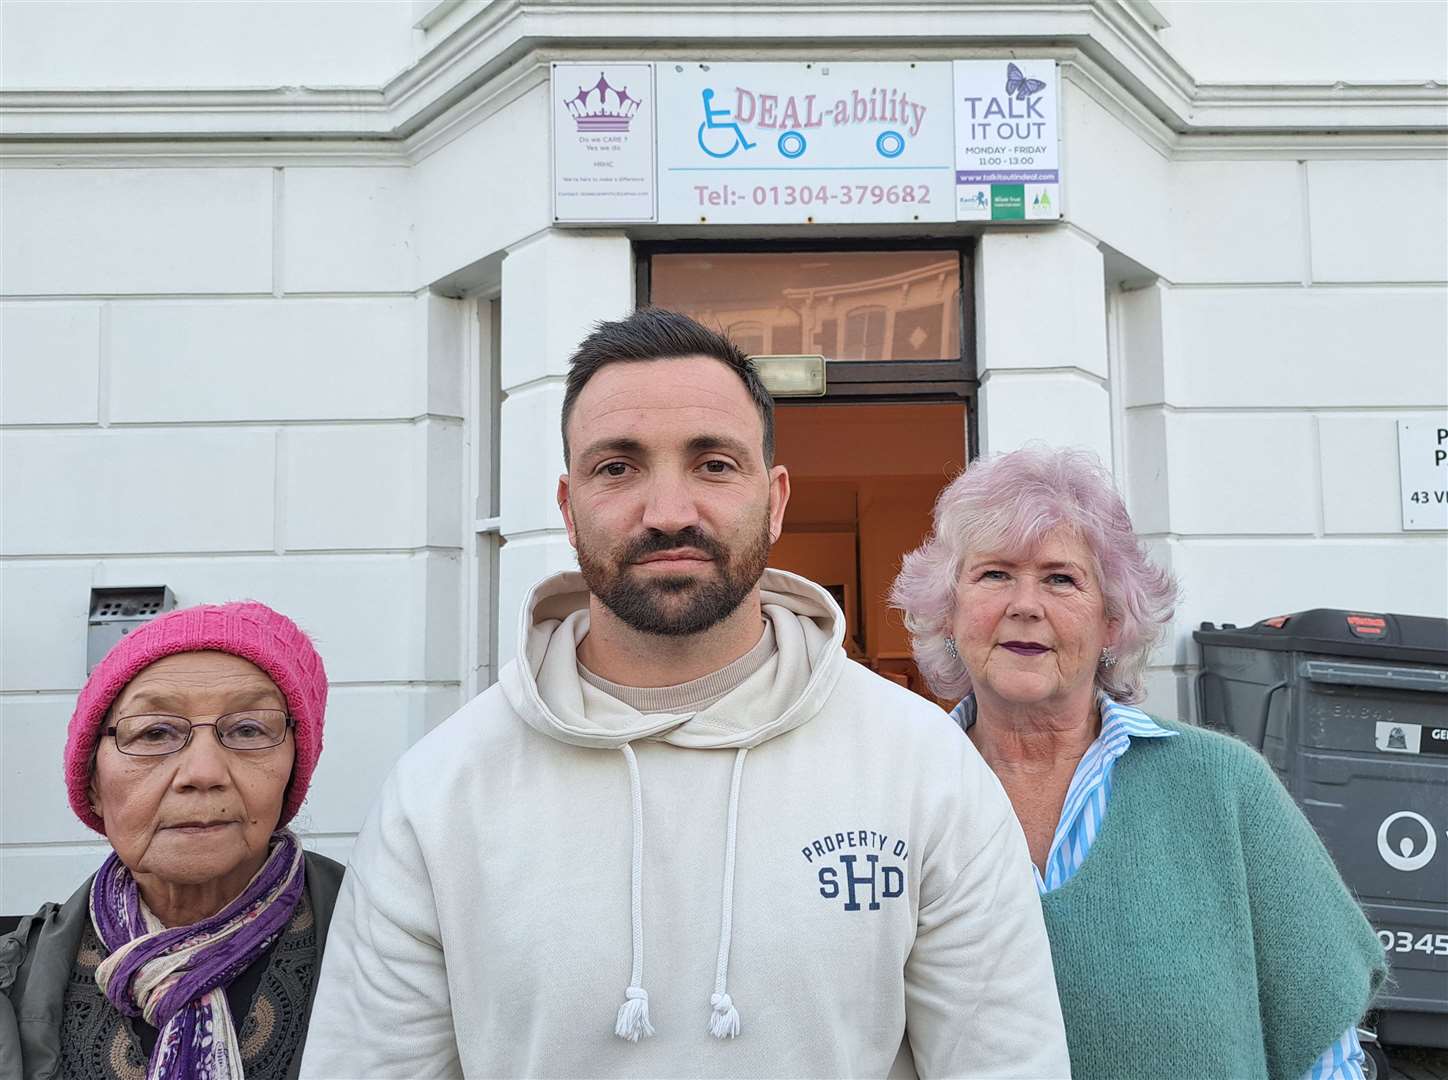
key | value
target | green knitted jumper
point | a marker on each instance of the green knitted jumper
(1208, 933)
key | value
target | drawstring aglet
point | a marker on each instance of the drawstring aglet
(724, 1024)
(633, 1015)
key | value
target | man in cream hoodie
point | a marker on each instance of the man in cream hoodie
(685, 835)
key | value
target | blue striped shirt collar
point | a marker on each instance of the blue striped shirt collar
(1085, 804)
(1116, 719)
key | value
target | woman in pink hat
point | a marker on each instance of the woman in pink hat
(193, 951)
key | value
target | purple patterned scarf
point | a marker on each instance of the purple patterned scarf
(175, 978)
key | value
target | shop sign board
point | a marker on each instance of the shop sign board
(603, 142)
(1007, 146)
(1423, 472)
(805, 142)
(817, 142)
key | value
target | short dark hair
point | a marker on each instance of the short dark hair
(653, 333)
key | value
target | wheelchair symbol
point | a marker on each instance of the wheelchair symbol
(718, 120)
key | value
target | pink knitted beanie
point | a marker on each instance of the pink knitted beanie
(247, 629)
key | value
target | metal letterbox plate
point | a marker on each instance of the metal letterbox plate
(115, 612)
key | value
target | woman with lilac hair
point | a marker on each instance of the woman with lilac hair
(193, 951)
(1198, 927)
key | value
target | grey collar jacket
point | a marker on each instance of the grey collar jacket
(36, 961)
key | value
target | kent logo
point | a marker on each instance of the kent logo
(850, 865)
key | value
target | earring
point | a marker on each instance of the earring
(1108, 658)
(951, 649)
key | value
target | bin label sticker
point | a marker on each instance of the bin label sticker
(1408, 849)
(1394, 737)
(1398, 738)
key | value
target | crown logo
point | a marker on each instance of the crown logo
(612, 110)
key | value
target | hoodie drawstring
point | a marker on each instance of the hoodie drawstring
(724, 1024)
(633, 1014)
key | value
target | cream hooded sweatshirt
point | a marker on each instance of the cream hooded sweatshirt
(782, 884)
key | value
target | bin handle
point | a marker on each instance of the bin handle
(1199, 694)
(1267, 711)
(1197, 690)
(1430, 680)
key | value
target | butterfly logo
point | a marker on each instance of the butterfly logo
(1019, 85)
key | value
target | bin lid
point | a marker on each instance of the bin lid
(1378, 635)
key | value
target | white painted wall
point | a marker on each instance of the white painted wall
(1349, 40)
(556, 285)
(1041, 340)
(245, 369)
(1297, 309)
(164, 44)
(220, 380)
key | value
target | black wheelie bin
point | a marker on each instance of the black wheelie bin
(1351, 709)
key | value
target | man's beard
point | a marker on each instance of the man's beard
(698, 602)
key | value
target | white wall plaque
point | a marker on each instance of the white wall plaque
(1423, 472)
(805, 142)
(603, 142)
(1007, 143)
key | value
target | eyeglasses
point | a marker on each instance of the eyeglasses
(156, 735)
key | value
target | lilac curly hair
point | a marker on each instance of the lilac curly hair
(1010, 502)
